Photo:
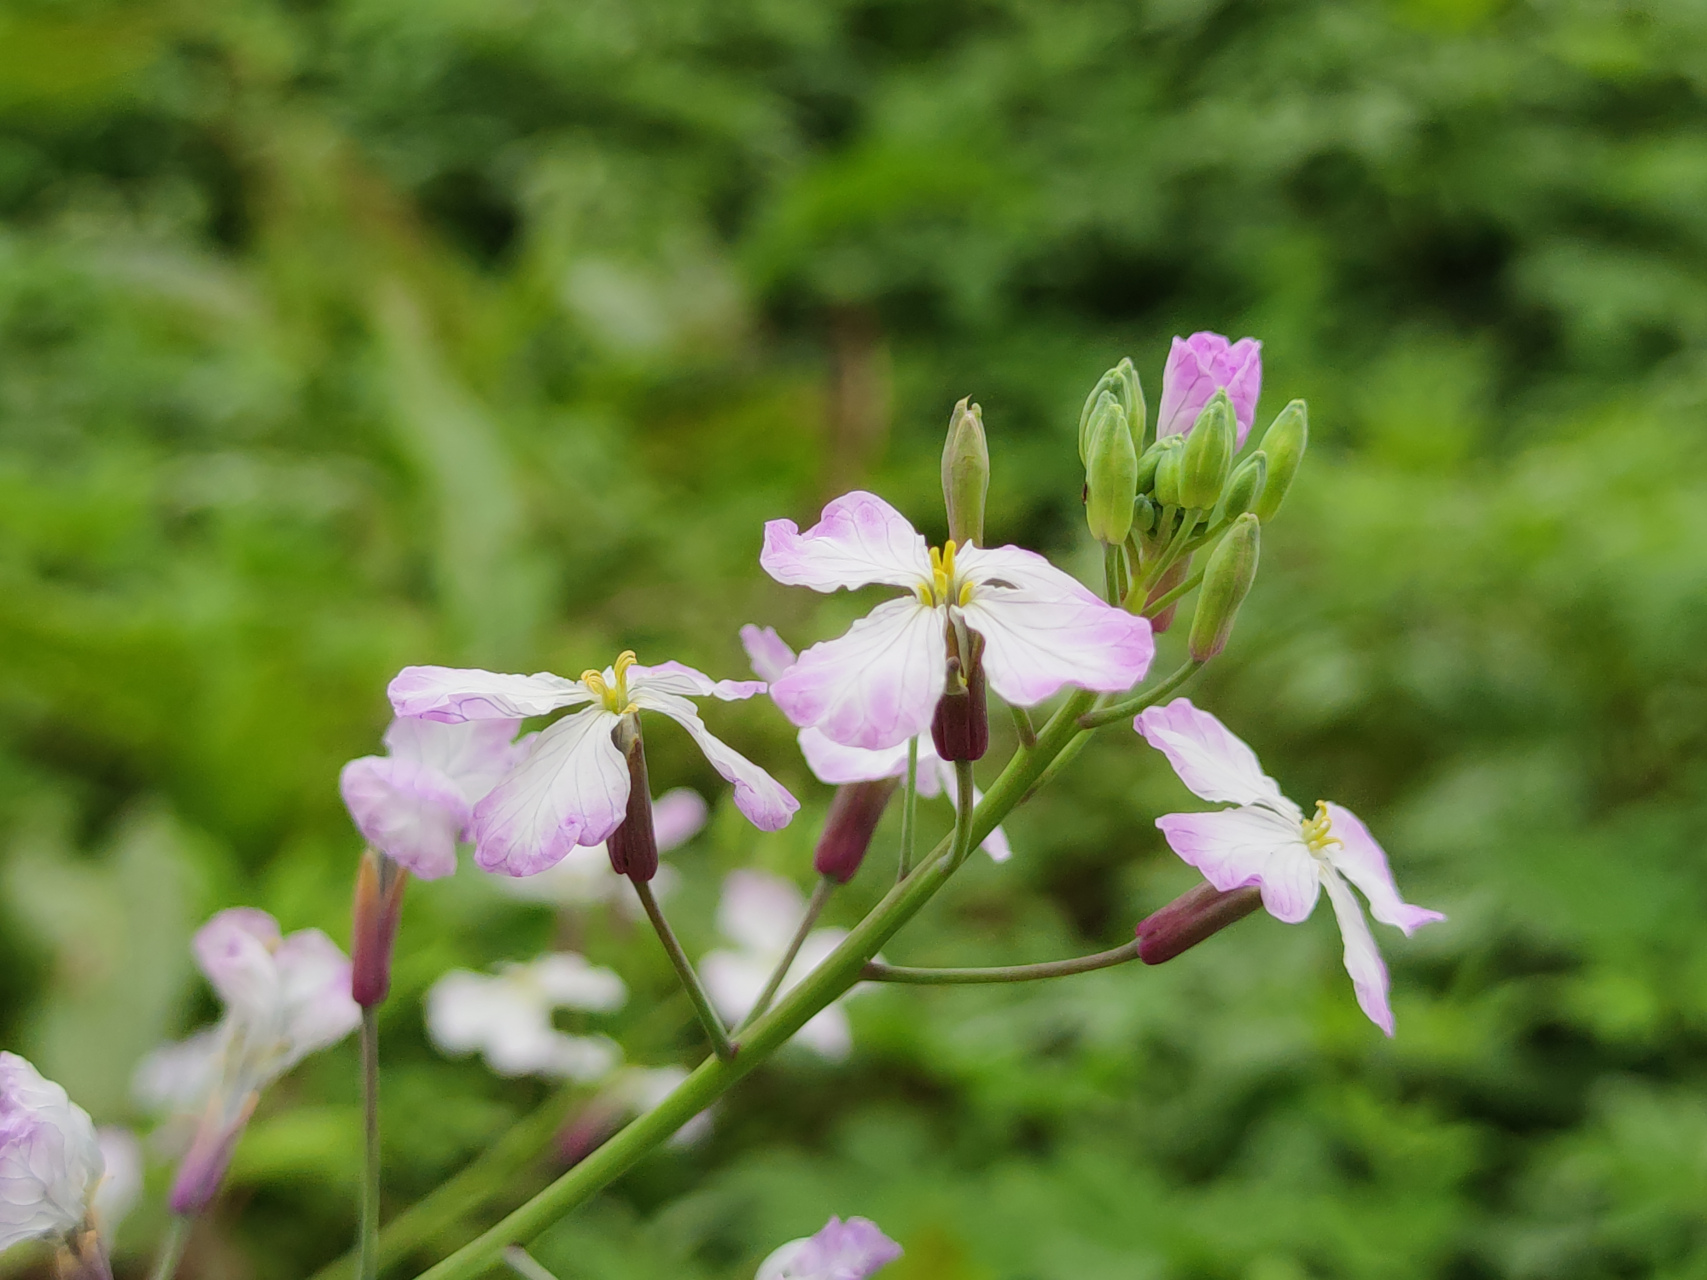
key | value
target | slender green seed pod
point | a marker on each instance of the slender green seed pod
(966, 474)
(1226, 581)
(1284, 443)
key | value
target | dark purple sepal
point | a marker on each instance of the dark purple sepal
(849, 826)
(633, 847)
(1192, 917)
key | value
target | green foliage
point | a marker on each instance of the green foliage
(343, 335)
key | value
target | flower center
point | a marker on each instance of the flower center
(613, 695)
(1318, 831)
(943, 589)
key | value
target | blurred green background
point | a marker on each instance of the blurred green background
(342, 334)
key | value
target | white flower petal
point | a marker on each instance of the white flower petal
(1015, 568)
(767, 651)
(677, 817)
(314, 985)
(766, 802)
(1362, 862)
(1250, 845)
(570, 982)
(572, 789)
(235, 950)
(455, 694)
(1035, 644)
(760, 911)
(684, 681)
(474, 754)
(859, 540)
(1208, 757)
(837, 765)
(876, 685)
(1362, 958)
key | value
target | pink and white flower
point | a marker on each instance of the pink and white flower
(417, 801)
(878, 684)
(506, 1017)
(572, 788)
(837, 765)
(759, 913)
(50, 1157)
(584, 878)
(851, 1250)
(1265, 840)
(285, 997)
(121, 1186)
(1197, 368)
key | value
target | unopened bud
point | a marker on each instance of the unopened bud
(633, 846)
(1226, 580)
(1284, 443)
(1208, 454)
(1147, 463)
(1244, 485)
(849, 826)
(965, 474)
(373, 932)
(1190, 918)
(1111, 473)
(1171, 454)
(1122, 383)
(1144, 514)
(960, 729)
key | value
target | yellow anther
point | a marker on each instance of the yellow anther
(624, 661)
(1317, 829)
(965, 594)
(614, 695)
(942, 575)
(594, 679)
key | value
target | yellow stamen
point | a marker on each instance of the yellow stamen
(941, 587)
(1317, 829)
(615, 697)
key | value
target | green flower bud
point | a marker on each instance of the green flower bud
(1226, 580)
(1144, 512)
(1284, 443)
(1122, 383)
(1244, 485)
(1111, 472)
(1168, 470)
(965, 473)
(1147, 463)
(1208, 454)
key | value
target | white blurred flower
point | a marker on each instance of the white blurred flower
(50, 1160)
(851, 1250)
(584, 878)
(121, 1186)
(759, 913)
(506, 1017)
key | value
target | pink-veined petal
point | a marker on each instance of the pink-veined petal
(767, 651)
(684, 681)
(851, 1250)
(1251, 845)
(474, 754)
(1199, 366)
(1209, 758)
(677, 817)
(235, 950)
(454, 694)
(859, 540)
(1034, 646)
(407, 810)
(766, 802)
(572, 789)
(1015, 568)
(1362, 958)
(877, 684)
(1362, 861)
(837, 765)
(314, 977)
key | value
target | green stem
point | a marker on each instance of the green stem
(820, 895)
(522, 1263)
(963, 810)
(1168, 597)
(1132, 706)
(877, 972)
(715, 1076)
(909, 811)
(708, 1016)
(1023, 727)
(1111, 573)
(367, 1242)
(1182, 535)
(171, 1248)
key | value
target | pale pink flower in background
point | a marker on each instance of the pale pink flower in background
(1197, 368)
(851, 1250)
(572, 789)
(416, 802)
(837, 765)
(879, 683)
(50, 1158)
(285, 997)
(506, 1017)
(759, 912)
(1266, 840)
(121, 1186)
(584, 878)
